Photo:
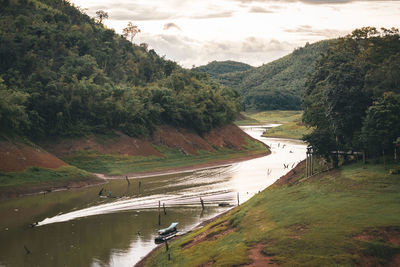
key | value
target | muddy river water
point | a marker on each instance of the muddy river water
(78, 228)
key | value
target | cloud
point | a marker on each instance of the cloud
(139, 14)
(168, 26)
(188, 51)
(224, 14)
(310, 31)
(258, 9)
(311, 2)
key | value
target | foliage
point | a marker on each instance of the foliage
(339, 98)
(217, 68)
(381, 126)
(65, 74)
(276, 85)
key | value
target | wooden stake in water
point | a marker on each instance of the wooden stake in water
(165, 210)
(238, 198)
(140, 184)
(202, 203)
(159, 213)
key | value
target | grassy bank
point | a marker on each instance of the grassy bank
(291, 127)
(116, 164)
(344, 217)
(35, 179)
(294, 129)
(270, 116)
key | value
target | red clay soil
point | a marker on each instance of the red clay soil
(229, 136)
(181, 139)
(18, 157)
(389, 235)
(258, 258)
(122, 144)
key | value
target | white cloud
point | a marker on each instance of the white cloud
(251, 31)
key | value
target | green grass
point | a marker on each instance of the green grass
(116, 164)
(35, 178)
(311, 223)
(271, 116)
(294, 129)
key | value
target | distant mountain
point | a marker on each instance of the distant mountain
(276, 85)
(217, 68)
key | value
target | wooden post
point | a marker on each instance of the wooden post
(238, 198)
(363, 155)
(165, 210)
(169, 256)
(166, 245)
(140, 184)
(307, 164)
(159, 213)
(312, 163)
(202, 203)
(126, 177)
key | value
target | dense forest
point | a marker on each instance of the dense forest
(217, 69)
(352, 99)
(276, 85)
(64, 74)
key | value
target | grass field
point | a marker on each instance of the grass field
(344, 217)
(293, 129)
(271, 116)
(120, 164)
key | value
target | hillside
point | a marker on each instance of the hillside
(276, 85)
(216, 69)
(329, 219)
(62, 73)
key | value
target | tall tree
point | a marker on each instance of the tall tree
(131, 31)
(101, 15)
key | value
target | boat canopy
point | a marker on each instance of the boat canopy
(168, 230)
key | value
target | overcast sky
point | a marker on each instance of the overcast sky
(250, 31)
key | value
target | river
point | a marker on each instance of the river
(77, 228)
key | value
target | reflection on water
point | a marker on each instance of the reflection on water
(77, 228)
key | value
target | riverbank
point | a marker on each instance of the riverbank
(77, 179)
(27, 168)
(348, 216)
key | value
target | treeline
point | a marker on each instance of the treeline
(61, 73)
(276, 85)
(352, 100)
(218, 68)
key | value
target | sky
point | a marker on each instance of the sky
(255, 32)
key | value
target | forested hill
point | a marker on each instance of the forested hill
(62, 73)
(276, 85)
(218, 68)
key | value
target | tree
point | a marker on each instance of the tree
(131, 30)
(346, 99)
(101, 15)
(381, 126)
